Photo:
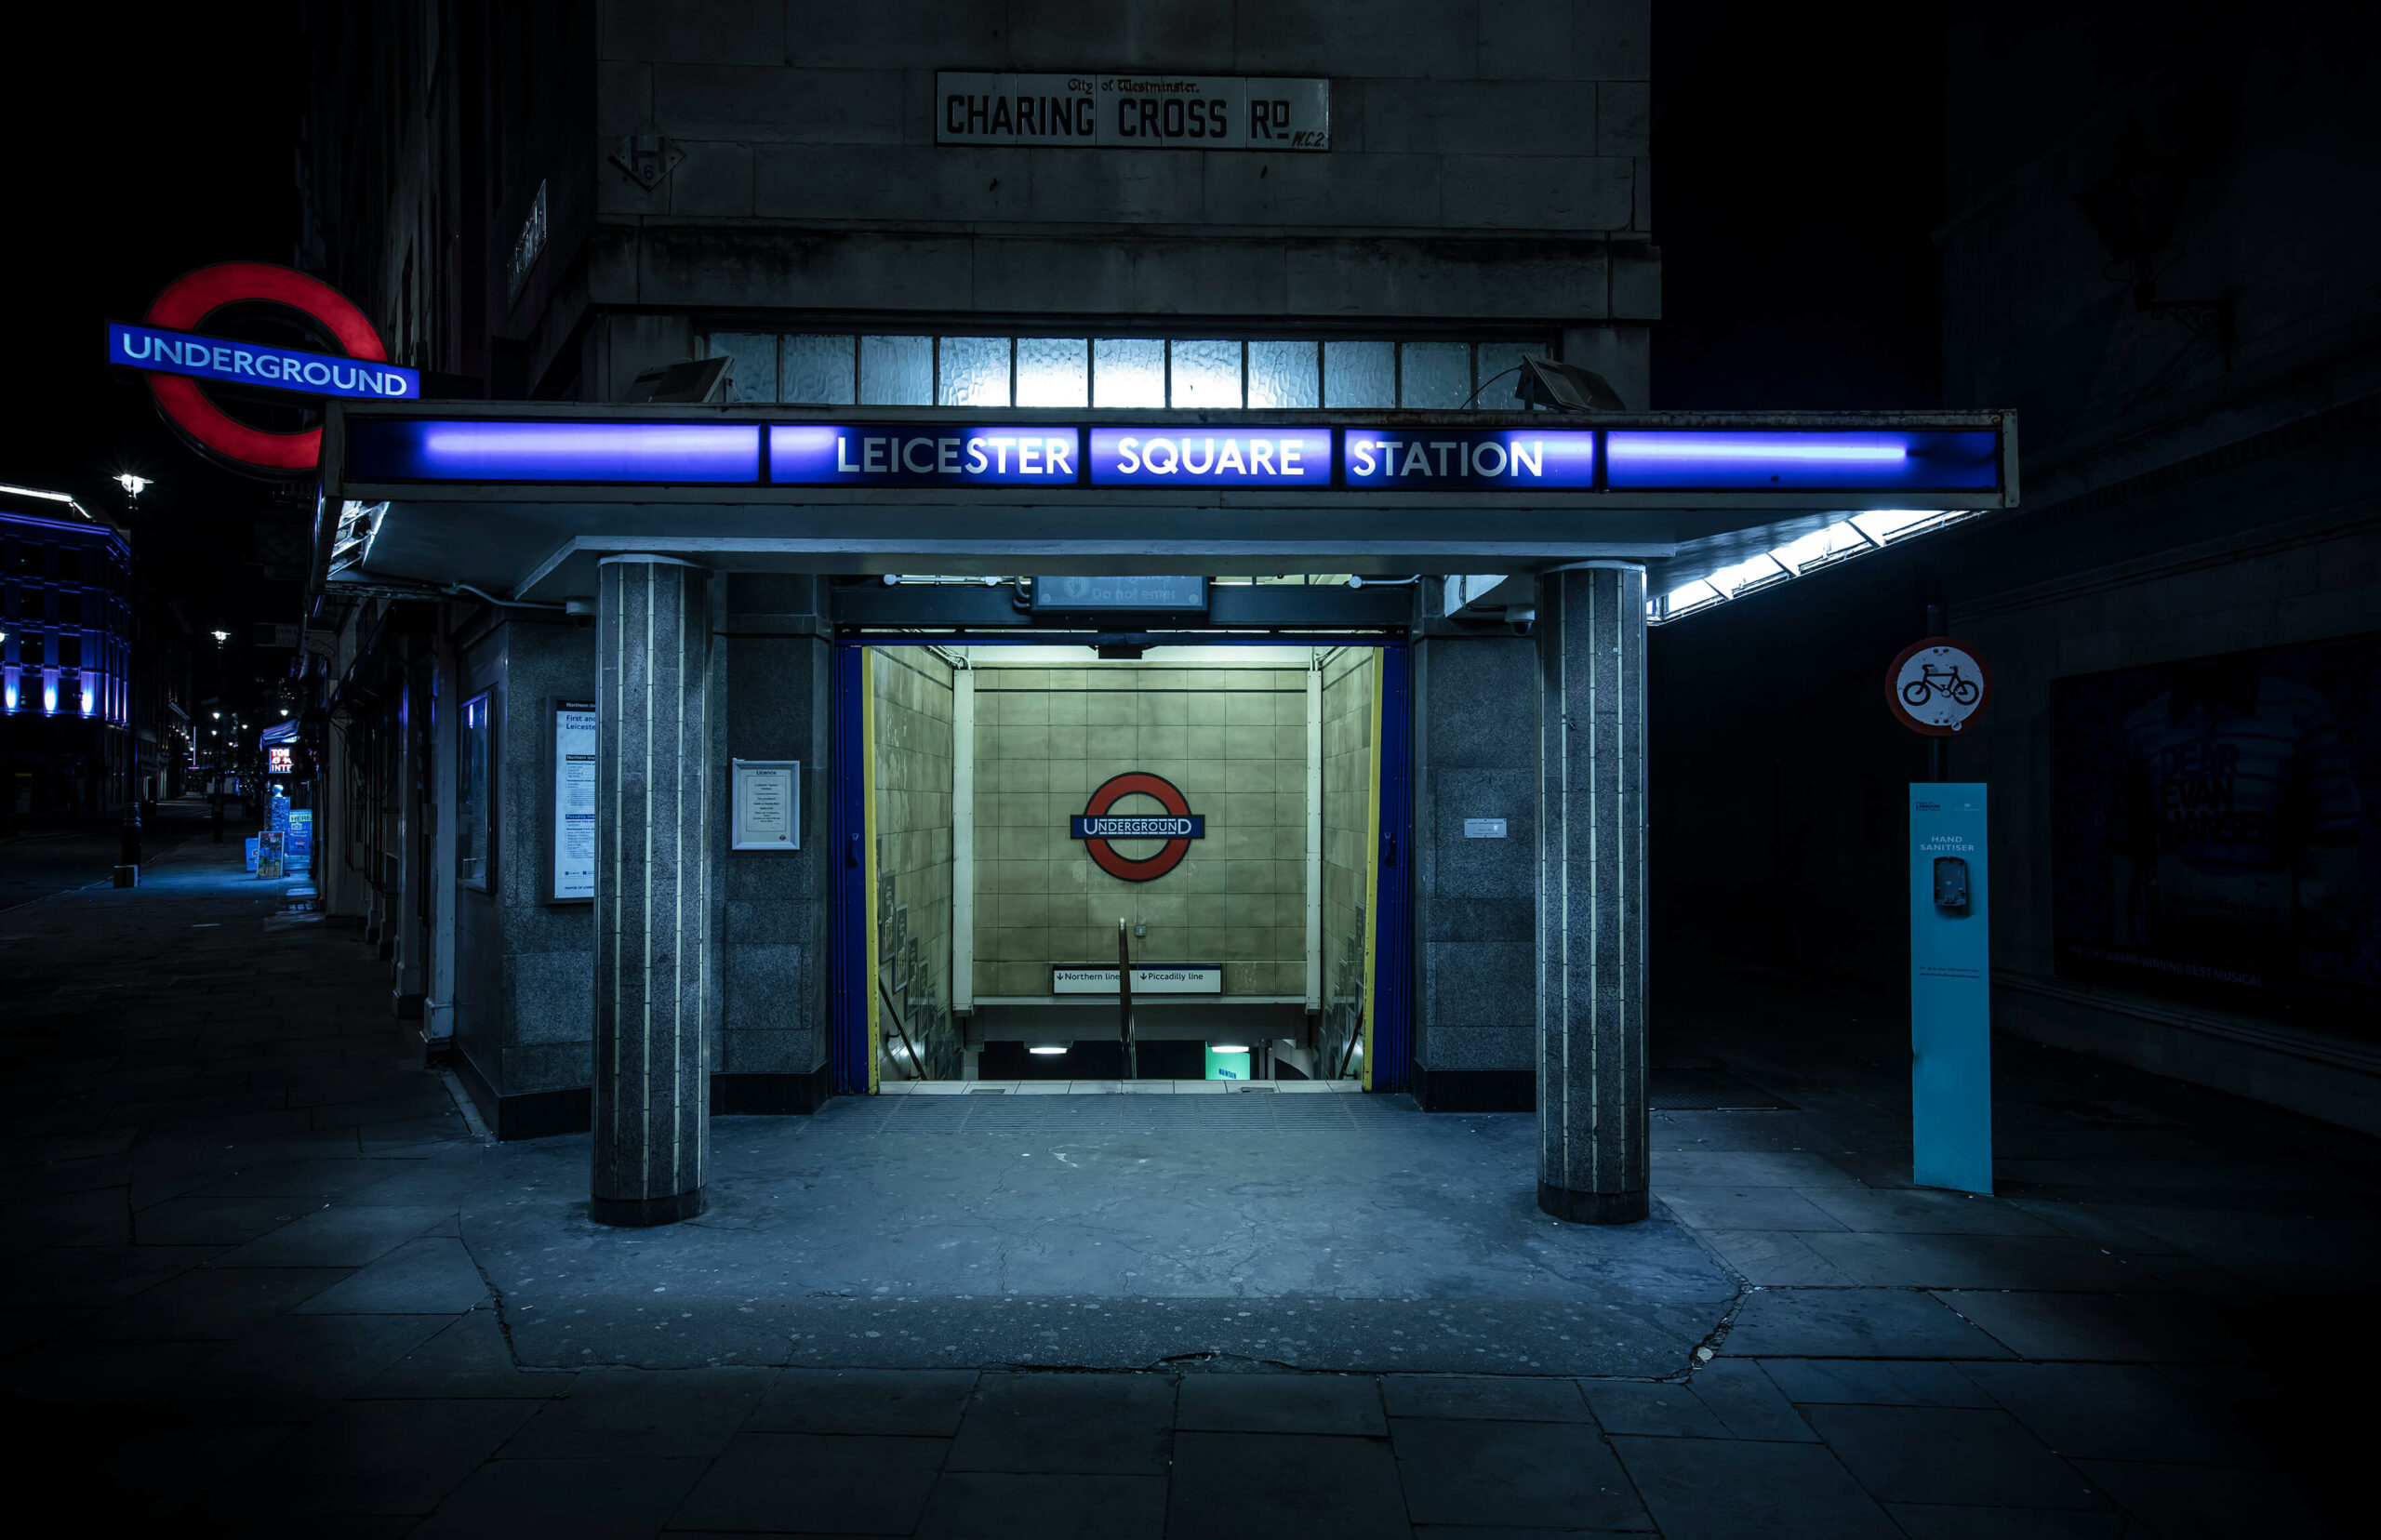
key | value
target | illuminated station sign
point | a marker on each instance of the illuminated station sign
(1285, 456)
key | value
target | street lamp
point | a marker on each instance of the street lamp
(220, 637)
(135, 485)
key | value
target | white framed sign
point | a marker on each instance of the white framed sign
(1147, 979)
(1132, 111)
(570, 864)
(766, 805)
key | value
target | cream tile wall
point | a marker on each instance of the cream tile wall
(1346, 792)
(1232, 738)
(911, 692)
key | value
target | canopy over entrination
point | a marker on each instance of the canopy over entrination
(522, 500)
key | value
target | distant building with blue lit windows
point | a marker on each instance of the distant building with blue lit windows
(66, 708)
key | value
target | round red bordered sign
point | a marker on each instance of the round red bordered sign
(1937, 687)
(1099, 823)
(185, 305)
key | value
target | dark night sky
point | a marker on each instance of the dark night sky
(150, 141)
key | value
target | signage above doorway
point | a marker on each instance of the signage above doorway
(1120, 594)
(1132, 111)
(1273, 452)
(1147, 979)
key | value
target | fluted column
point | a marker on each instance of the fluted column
(655, 953)
(1591, 893)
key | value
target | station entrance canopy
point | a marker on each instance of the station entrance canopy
(522, 500)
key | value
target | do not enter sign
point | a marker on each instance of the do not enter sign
(1937, 687)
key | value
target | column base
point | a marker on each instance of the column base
(1594, 1208)
(644, 1213)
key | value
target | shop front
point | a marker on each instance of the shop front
(788, 753)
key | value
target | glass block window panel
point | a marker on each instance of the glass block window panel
(817, 370)
(1206, 374)
(1127, 371)
(753, 369)
(897, 371)
(1501, 358)
(972, 371)
(1434, 375)
(1285, 373)
(1359, 374)
(1053, 371)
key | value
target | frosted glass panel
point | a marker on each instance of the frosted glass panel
(1359, 374)
(1501, 358)
(1435, 374)
(972, 372)
(1283, 374)
(1127, 371)
(752, 375)
(1206, 374)
(816, 370)
(897, 371)
(1053, 371)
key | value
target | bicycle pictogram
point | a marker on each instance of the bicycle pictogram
(1949, 682)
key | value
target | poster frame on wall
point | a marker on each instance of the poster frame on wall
(553, 844)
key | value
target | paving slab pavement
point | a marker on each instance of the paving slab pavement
(261, 1278)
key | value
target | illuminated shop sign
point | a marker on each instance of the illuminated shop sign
(977, 455)
(1416, 458)
(252, 364)
(1279, 456)
(1132, 111)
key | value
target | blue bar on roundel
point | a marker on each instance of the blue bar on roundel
(1161, 826)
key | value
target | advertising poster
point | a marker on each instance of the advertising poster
(2213, 829)
(574, 801)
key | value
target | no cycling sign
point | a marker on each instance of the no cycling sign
(1937, 687)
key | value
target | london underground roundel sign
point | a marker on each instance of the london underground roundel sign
(1937, 687)
(1097, 824)
(169, 347)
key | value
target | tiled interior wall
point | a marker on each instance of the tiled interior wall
(912, 689)
(1232, 738)
(1347, 791)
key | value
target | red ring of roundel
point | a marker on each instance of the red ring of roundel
(189, 299)
(1114, 789)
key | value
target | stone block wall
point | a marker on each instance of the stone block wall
(1488, 160)
(1348, 677)
(1475, 756)
(914, 702)
(1233, 739)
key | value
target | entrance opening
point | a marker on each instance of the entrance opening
(1022, 822)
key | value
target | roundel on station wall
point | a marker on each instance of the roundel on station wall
(1099, 823)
